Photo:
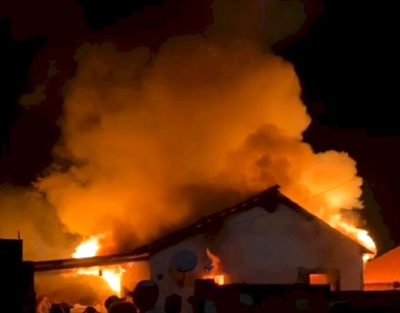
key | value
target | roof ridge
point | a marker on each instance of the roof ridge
(229, 211)
(226, 212)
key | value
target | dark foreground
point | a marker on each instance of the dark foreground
(291, 298)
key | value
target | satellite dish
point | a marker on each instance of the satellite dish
(184, 261)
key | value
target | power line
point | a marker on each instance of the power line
(324, 192)
(251, 218)
(328, 179)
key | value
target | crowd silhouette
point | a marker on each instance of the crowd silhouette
(142, 299)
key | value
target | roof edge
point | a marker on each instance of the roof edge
(300, 208)
(250, 203)
(187, 231)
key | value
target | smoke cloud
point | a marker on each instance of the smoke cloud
(148, 134)
(153, 140)
(28, 213)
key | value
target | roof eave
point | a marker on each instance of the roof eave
(365, 250)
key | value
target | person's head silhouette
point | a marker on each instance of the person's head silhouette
(90, 309)
(110, 301)
(123, 307)
(145, 295)
(173, 304)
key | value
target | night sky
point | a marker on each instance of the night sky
(346, 61)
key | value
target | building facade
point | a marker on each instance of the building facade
(265, 240)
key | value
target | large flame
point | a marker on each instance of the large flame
(357, 234)
(88, 248)
(111, 274)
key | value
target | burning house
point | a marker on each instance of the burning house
(267, 239)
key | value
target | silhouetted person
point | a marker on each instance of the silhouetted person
(111, 301)
(173, 304)
(123, 307)
(145, 296)
(90, 309)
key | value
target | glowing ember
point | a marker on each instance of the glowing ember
(112, 275)
(216, 269)
(219, 279)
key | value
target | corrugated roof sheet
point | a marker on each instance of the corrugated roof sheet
(384, 269)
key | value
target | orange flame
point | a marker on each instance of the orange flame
(215, 261)
(112, 275)
(360, 235)
(88, 248)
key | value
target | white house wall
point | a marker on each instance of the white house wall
(268, 248)
(272, 246)
(160, 262)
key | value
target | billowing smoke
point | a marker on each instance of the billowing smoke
(148, 134)
(28, 213)
(154, 140)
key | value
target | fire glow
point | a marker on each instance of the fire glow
(360, 235)
(218, 277)
(258, 144)
(111, 274)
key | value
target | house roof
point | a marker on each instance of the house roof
(384, 269)
(268, 200)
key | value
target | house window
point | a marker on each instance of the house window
(324, 279)
(319, 276)
(319, 279)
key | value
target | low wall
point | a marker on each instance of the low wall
(380, 287)
(368, 299)
(292, 298)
